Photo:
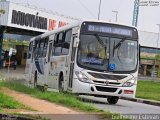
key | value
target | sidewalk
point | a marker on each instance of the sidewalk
(141, 100)
(19, 73)
(49, 110)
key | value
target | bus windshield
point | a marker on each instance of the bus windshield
(102, 53)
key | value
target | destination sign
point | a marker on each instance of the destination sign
(109, 29)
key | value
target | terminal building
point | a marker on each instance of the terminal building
(18, 23)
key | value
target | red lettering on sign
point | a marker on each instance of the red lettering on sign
(62, 24)
(52, 24)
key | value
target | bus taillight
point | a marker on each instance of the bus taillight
(128, 91)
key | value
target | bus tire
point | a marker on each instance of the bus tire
(61, 80)
(112, 99)
(35, 79)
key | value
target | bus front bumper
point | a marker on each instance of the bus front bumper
(82, 88)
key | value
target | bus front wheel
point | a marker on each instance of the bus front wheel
(112, 99)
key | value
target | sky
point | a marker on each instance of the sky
(148, 18)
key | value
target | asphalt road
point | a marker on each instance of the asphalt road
(126, 107)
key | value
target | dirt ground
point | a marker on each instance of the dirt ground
(46, 109)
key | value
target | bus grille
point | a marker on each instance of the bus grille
(105, 89)
(107, 76)
(103, 82)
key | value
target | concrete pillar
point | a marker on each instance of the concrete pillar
(145, 70)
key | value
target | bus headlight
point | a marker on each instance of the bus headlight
(129, 83)
(82, 77)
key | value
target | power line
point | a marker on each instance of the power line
(84, 6)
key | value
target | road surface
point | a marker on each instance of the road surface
(126, 107)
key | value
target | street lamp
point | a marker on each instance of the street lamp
(99, 11)
(116, 12)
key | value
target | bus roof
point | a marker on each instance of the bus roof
(57, 30)
(74, 24)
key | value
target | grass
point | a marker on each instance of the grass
(8, 102)
(65, 99)
(148, 90)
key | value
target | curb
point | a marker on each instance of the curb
(145, 101)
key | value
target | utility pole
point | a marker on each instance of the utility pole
(116, 12)
(135, 13)
(99, 11)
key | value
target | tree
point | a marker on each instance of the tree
(157, 57)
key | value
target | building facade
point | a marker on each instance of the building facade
(18, 23)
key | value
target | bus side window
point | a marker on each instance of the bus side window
(45, 47)
(41, 48)
(60, 37)
(30, 50)
(58, 49)
(50, 51)
(56, 39)
(36, 49)
(65, 48)
(68, 36)
(66, 44)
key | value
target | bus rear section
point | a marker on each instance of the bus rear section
(29, 63)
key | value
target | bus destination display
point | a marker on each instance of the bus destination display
(108, 29)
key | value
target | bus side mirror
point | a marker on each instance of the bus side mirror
(76, 42)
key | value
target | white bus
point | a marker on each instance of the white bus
(86, 58)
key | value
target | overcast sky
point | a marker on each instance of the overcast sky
(149, 16)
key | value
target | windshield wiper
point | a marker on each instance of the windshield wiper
(101, 43)
(119, 44)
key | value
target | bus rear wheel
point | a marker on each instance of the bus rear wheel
(61, 80)
(112, 99)
(35, 79)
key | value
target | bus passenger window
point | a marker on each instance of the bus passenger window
(45, 47)
(56, 39)
(50, 51)
(66, 44)
(36, 49)
(41, 48)
(68, 36)
(30, 50)
(57, 51)
(65, 48)
(60, 37)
